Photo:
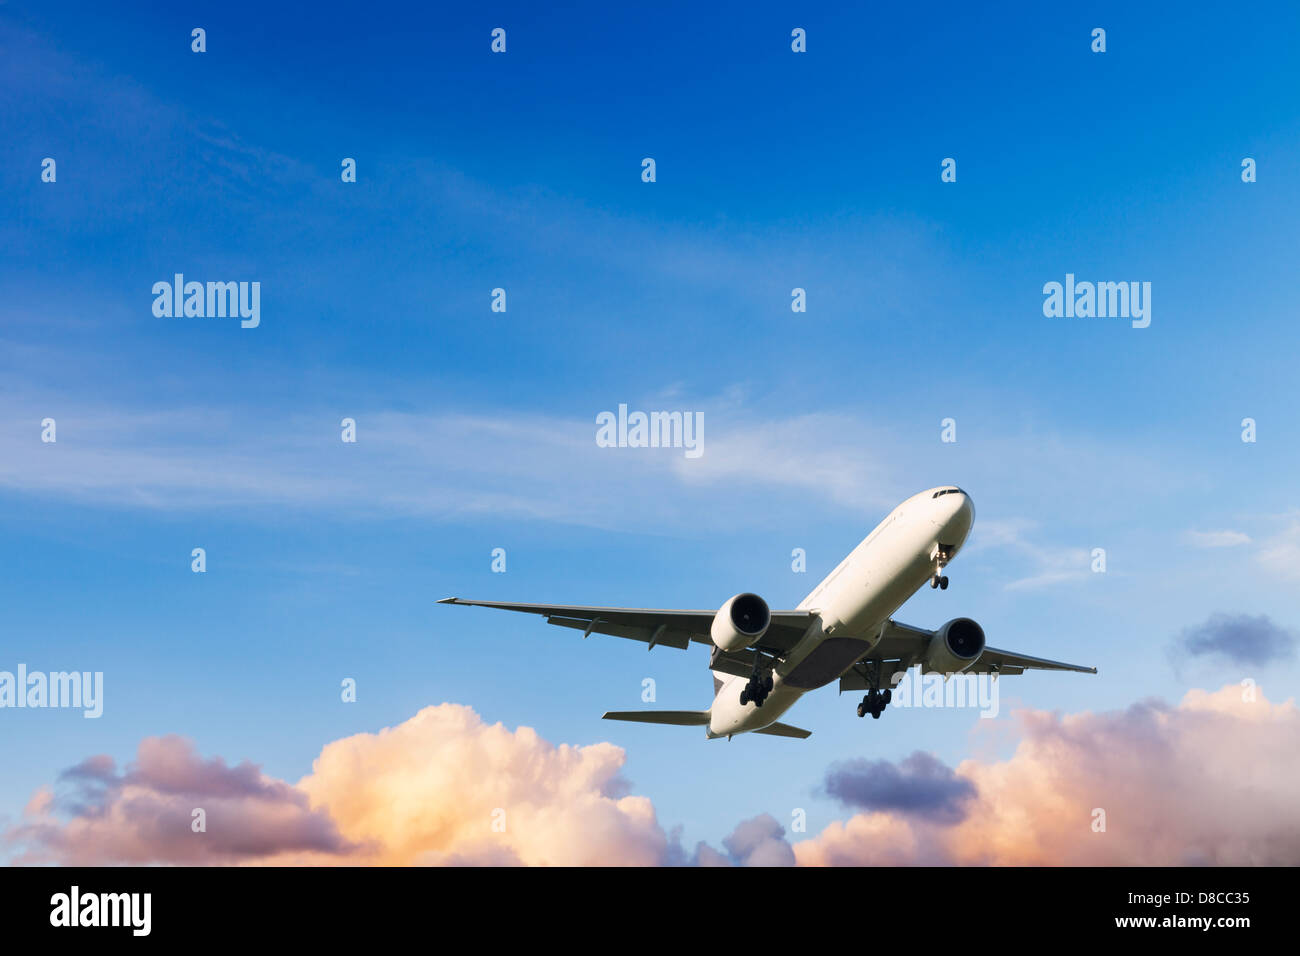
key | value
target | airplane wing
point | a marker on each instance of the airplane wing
(679, 718)
(672, 628)
(696, 718)
(902, 645)
(994, 661)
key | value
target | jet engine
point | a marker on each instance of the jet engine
(743, 620)
(954, 647)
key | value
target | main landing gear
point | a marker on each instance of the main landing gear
(941, 555)
(875, 703)
(759, 686)
(876, 700)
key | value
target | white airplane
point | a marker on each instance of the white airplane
(763, 661)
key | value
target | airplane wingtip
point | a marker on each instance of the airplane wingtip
(450, 600)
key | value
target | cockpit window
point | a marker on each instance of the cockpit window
(948, 491)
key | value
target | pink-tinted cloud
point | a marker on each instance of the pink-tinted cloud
(1212, 781)
(147, 813)
(441, 788)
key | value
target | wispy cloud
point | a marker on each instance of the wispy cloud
(431, 465)
(1279, 554)
(1047, 565)
(1216, 539)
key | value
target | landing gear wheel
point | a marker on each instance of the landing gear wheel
(760, 685)
(934, 581)
(875, 702)
(943, 582)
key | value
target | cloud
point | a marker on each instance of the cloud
(807, 453)
(1279, 555)
(1216, 539)
(446, 788)
(759, 841)
(146, 814)
(1047, 565)
(1239, 639)
(441, 788)
(1210, 781)
(919, 786)
(439, 466)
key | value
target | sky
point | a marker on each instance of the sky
(522, 171)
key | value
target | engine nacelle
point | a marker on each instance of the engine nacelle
(740, 622)
(955, 647)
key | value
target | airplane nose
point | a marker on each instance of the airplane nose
(963, 512)
(956, 513)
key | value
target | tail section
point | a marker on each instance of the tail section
(679, 718)
(785, 730)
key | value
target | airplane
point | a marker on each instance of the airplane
(763, 661)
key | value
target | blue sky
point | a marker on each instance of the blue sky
(476, 429)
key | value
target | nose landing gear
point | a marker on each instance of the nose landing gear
(941, 555)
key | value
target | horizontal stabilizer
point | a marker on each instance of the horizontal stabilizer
(681, 718)
(785, 730)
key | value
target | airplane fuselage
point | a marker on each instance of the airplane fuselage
(853, 603)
